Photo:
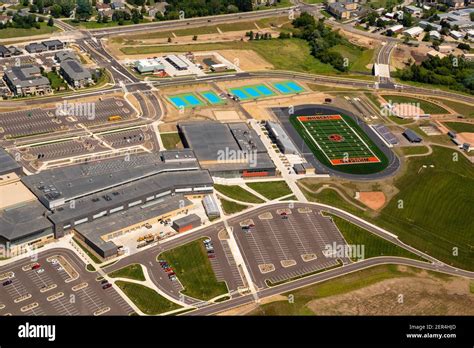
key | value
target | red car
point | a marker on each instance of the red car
(36, 266)
(211, 256)
(172, 274)
(106, 286)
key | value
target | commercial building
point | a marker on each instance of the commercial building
(413, 32)
(8, 164)
(150, 65)
(227, 150)
(303, 168)
(177, 62)
(211, 207)
(99, 234)
(339, 10)
(75, 74)
(64, 55)
(412, 136)
(280, 137)
(83, 193)
(23, 221)
(415, 11)
(187, 223)
(26, 80)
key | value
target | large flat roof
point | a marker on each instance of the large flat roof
(59, 185)
(94, 230)
(118, 196)
(221, 147)
(24, 220)
(7, 163)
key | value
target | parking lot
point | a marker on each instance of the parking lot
(283, 243)
(223, 263)
(60, 285)
(38, 121)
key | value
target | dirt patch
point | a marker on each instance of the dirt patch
(374, 200)
(422, 295)
(246, 59)
(226, 116)
(359, 39)
(466, 137)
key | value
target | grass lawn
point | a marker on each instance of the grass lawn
(275, 51)
(146, 299)
(358, 58)
(290, 198)
(55, 80)
(464, 109)
(427, 107)
(133, 271)
(238, 26)
(194, 270)
(20, 32)
(237, 193)
(413, 150)
(337, 286)
(232, 207)
(95, 25)
(271, 190)
(171, 140)
(428, 220)
(400, 121)
(460, 126)
(373, 245)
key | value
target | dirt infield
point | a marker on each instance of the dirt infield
(248, 60)
(374, 200)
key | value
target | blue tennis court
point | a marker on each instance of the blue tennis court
(211, 97)
(288, 87)
(185, 100)
(252, 92)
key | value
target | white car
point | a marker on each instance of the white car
(41, 270)
(59, 268)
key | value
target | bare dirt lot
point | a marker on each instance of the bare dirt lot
(374, 200)
(424, 295)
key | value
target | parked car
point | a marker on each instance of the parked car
(41, 270)
(7, 282)
(172, 274)
(173, 278)
(106, 286)
(105, 281)
(36, 266)
(211, 256)
(210, 251)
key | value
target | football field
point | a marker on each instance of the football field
(338, 141)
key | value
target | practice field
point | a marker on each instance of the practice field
(288, 87)
(211, 97)
(339, 143)
(252, 92)
(185, 100)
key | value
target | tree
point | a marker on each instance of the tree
(83, 10)
(195, 37)
(50, 22)
(244, 5)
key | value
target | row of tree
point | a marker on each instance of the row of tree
(321, 39)
(455, 72)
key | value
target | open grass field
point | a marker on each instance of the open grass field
(339, 143)
(460, 126)
(358, 58)
(463, 109)
(232, 207)
(238, 193)
(432, 212)
(171, 140)
(373, 245)
(133, 271)
(146, 299)
(20, 32)
(291, 54)
(413, 150)
(95, 25)
(272, 189)
(429, 108)
(194, 270)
